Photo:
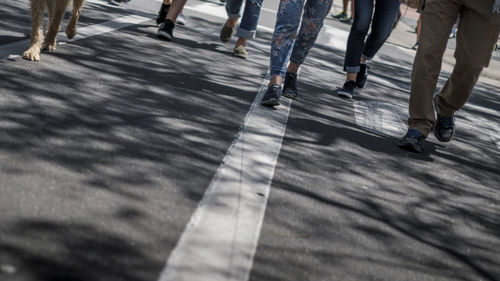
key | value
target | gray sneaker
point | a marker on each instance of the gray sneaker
(240, 51)
(226, 33)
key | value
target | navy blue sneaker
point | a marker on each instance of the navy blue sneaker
(347, 90)
(290, 87)
(362, 76)
(272, 96)
(413, 141)
(445, 128)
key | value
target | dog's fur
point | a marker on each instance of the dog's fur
(56, 9)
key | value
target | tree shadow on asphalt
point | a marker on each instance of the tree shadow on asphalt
(117, 133)
(119, 145)
(352, 206)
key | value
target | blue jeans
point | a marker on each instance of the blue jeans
(248, 24)
(285, 35)
(382, 22)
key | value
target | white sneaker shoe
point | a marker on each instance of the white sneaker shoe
(181, 19)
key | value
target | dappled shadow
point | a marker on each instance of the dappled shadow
(110, 143)
(347, 204)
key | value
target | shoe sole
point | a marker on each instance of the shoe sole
(410, 147)
(344, 94)
(270, 102)
(164, 35)
(240, 56)
(439, 138)
(290, 96)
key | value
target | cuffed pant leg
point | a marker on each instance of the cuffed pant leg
(233, 8)
(437, 19)
(477, 34)
(248, 25)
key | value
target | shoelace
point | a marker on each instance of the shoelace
(446, 122)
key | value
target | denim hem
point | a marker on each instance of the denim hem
(351, 69)
(279, 72)
(248, 34)
(367, 57)
(234, 16)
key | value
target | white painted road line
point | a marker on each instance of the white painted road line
(220, 241)
(16, 49)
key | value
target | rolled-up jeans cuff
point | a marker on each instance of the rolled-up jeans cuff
(367, 57)
(276, 72)
(351, 69)
(248, 34)
(233, 16)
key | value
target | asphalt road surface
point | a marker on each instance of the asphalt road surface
(125, 157)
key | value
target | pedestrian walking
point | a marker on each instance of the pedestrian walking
(478, 31)
(343, 16)
(162, 14)
(361, 49)
(167, 16)
(248, 25)
(286, 39)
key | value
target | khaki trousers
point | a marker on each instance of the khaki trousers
(477, 34)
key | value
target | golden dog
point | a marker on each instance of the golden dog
(56, 9)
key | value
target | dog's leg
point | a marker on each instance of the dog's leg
(75, 15)
(33, 53)
(54, 24)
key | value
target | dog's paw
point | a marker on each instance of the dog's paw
(70, 31)
(49, 46)
(32, 54)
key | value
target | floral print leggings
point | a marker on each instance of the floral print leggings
(285, 32)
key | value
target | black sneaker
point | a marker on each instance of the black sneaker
(290, 87)
(362, 76)
(272, 96)
(347, 90)
(413, 141)
(162, 14)
(445, 128)
(166, 30)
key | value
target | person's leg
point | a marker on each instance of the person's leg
(233, 9)
(166, 29)
(248, 27)
(477, 34)
(385, 14)
(437, 20)
(162, 14)
(356, 40)
(345, 5)
(315, 12)
(343, 15)
(175, 9)
(285, 30)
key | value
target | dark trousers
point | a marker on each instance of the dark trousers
(381, 21)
